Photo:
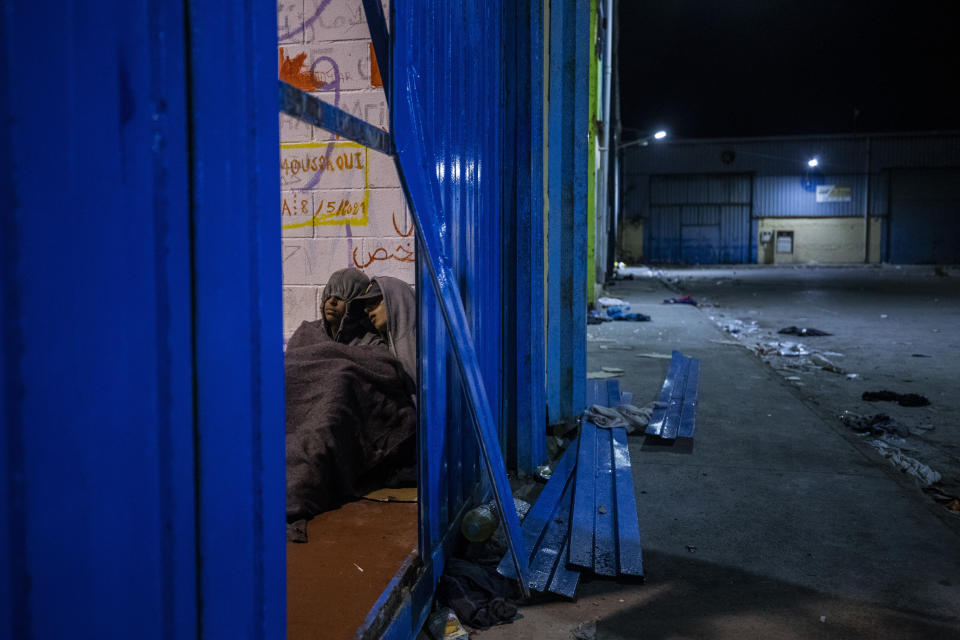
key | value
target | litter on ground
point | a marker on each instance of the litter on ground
(903, 399)
(906, 464)
(803, 331)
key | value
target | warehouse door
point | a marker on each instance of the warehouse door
(925, 216)
(700, 219)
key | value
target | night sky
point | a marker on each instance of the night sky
(709, 68)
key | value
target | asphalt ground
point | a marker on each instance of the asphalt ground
(778, 521)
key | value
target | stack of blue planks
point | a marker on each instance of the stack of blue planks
(586, 516)
(675, 415)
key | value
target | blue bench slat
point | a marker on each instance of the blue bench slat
(564, 580)
(671, 421)
(549, 560)
(688, 414)
(613, 393)
(629, 551)
(605, 509)
(596, 393)
(580, 552)
(675, 415)
(543, 510)
(655, 426)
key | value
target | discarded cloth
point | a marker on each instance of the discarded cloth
(803, 331)
(683, 300)
(619, 313)
(610, 302)
(903, 399)
(627, 416)
(906, 464)
(479, 595)
(877, 424)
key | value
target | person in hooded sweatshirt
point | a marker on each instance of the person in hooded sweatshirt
(338, 320)
(391, 308)
(351, 400)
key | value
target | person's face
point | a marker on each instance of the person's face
(376, 311)
(333, 309)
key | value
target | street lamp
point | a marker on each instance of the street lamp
(644, 141)
(813, 162)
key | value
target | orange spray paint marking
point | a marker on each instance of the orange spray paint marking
(292, 72)
(375, 79)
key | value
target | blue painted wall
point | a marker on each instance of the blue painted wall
(140, 360)
(141, 389)
(567, 208)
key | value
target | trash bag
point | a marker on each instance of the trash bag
(803, 331)
(903, 399)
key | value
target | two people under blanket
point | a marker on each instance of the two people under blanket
(351, 396)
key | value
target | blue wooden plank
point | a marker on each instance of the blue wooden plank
(544, 509)
(626, 397)
(314, 111)
(595, 392)
(582, 519)
(549, 563)
(655, 426)
(688, 415)
(564, 580)
(418, 177)
(605, 508)
(629, 552)
(671, 420)
(613, 393)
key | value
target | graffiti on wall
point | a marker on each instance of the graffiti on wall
(341, 204)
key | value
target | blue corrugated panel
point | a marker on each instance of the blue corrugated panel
(794, 195)
(604, 528)
(735, 238)
(567, 217)
(451, 175)
(523, 213)
(141, 388)
(546, 532)
(675, 413)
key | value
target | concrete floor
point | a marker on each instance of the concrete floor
(780, 522)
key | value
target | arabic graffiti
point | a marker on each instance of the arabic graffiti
(400, 254)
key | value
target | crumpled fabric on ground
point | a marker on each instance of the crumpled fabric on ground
(877, 424)
(903, 399)
(620, 313)
(906, 464)
(478, 595)
(627, 416)
(682, 300)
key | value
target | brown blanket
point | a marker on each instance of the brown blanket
(351, 421)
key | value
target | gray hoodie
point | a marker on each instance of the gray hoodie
(401, 333)
(354, 328)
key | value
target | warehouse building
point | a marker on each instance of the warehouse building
(798, 199)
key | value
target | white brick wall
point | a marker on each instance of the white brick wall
(341, 204)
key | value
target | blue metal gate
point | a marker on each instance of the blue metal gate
(141, 387)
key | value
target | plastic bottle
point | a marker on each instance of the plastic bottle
(479, 523)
